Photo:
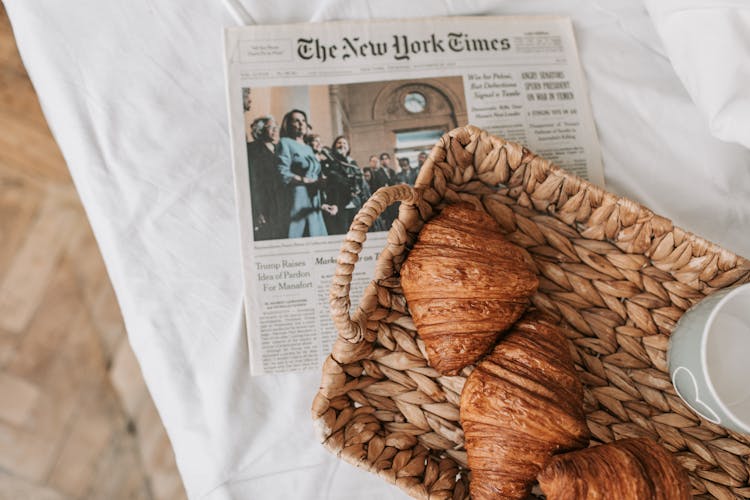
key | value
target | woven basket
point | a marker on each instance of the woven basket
(618, 276)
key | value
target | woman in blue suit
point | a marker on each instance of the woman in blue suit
(300, 172)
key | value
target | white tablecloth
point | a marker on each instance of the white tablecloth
(134, 93)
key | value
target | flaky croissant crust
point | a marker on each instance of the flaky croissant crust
(522, 403)
(464, 284)
(626, 469)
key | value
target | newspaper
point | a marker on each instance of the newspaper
(321, 115)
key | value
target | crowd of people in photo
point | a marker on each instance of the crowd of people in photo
(301, 187)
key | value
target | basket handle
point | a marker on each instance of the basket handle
(353, 329)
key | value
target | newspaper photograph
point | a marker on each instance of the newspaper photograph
(323, 115)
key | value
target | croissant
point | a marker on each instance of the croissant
(464, 284)
(522, 404)
(630, 468)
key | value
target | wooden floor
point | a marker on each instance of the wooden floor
(76, 420)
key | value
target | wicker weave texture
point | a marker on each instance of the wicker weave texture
(618, 276)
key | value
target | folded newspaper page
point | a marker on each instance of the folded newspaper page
(322, 115)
